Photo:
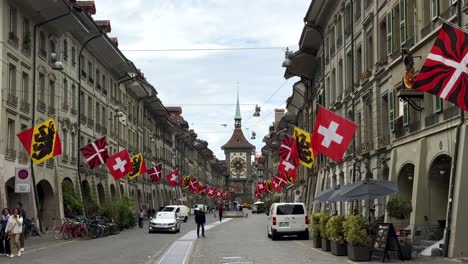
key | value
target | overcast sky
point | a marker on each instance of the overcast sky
(204, 82)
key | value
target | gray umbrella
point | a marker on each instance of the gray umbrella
(327, 194)
(367, 189)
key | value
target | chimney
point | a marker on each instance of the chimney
(279, 113)
(88, 6)
(104, 25)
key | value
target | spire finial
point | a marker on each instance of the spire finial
(237, 117)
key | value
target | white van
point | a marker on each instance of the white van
(288, 219)
(180, 210)
(195, 206)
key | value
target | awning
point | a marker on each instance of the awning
(302, 65)
(296, 102)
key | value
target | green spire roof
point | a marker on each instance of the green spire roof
(238, 114)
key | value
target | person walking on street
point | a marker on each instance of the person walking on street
(22, 212)
(200, 219)
(4, 238)
(220, 210)
(14, 229)
(140, 218)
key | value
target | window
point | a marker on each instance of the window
(348, 18)
(52, 93)
(83, 67)
(290, 209)
(65, 93)
(339, 31)
(104, 84)
(98, 79)
(73, 56)
(349, 72)
(11, 136)
(23, 128)
(403, 21)
(437, 102)
(73, 96)
(82, 102)
(90, 107)
(90, 71)
(42, 44)
(391, 110)
(396, 28)
(434, 9)
(25, 87)
(11, 79)
(340, 79)
(357, 12)
(405, 113)
(369, 51)
(333, 87)
(73, 145)
(42, 87)
(358, 61)
(65, 50)
(53, 48)
(64, 138)
(103, 116)
(98, 112)
(26, 32)
(13, 23)
(389, 33)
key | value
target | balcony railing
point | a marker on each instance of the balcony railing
(431, 120)
(12, 100)
(98, 128)
(415, 126)
(24, 106)
(51, 110)
(10, 153)
(451, 112)
(41, 106)
(90, 122)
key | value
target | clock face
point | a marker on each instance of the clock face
(238, 166)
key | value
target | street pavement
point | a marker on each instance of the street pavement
(238, 240)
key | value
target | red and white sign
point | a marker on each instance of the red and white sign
(119, 165)
(332, 134)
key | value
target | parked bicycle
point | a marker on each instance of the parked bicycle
(30, 229)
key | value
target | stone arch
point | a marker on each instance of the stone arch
(438, 186)
(48, 207)
(405, 180)
(13, 198)
(122, 190)
(101, 194)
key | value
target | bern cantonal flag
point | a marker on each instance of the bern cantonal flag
(194, 185)
(138, 166)
(119, 164)
(155, 173)
(96, 152)
(278, 183)
(172, 178)
(42, 142)
(445, 71)
(185, 181)
(303, 148)
(332, 134)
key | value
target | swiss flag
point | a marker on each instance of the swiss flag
(219, 194)
(172, 178)
(332, 134)
(261, 187)
(211, 192)
(278, 183)
(288, 168)
(119, 165)
(194, 185)
(155, 173)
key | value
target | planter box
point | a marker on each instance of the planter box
(358, 253)
(338, 249)
(325, 244)
(317, 241)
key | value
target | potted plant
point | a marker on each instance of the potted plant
(323, 231)
(400, 208)
(315, 227)
(356, 236)
(336, 235)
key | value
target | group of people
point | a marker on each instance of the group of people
(12, 232)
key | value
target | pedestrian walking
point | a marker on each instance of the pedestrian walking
(4, 238)
(200, 219)
(220, 211)
(140, 217)
(14, 229)
(22, 212)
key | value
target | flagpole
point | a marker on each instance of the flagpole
(455, 159)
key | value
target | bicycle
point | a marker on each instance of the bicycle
(30, 228)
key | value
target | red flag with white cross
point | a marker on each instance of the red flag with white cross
(211, 192)
(332, 134)
(445, 72)
(155, 173)
(96, 152)
(194, 185)
(261, 187)
(278, 183)
(288, 168)
(119, 165)
(172, 178)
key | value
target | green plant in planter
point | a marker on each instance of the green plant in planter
(355, 230)
(323, 225)
(315, 224)
(334, 229)
(399, 208)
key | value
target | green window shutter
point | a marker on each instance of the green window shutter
(438, 102)
(402, 21)
(391, 110)
(434, 9)
(389, 34)
(405, 113)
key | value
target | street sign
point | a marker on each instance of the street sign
(22, 180)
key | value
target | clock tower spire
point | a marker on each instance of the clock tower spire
(237, 117)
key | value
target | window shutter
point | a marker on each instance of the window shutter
(402, 21)
(391, 110)
(389, 34)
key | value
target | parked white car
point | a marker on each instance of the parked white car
(164, 221)
(288, 219)
(180, 210)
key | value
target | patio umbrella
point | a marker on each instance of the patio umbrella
(325, 195)
(367, 189)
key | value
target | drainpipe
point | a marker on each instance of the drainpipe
(352, 95)
(455, 159)
(79, 116)
(33, 115)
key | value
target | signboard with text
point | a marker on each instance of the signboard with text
(22, 180)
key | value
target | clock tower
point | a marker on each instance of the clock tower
(238, 153)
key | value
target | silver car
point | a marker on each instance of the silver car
(164, 221)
